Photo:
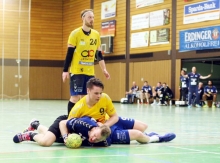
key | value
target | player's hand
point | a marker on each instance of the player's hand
(107, 75)
(208, 95)
(65, 76)
(99, 124)
(209, 75)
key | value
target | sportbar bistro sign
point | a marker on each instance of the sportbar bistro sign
(199, 39)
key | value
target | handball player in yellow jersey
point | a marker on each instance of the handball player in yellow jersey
(95, 104)
(83, 48)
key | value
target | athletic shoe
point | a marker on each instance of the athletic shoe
(198, 106)
(34, 123)
(189, 106)
(22, 137)
(167, 137)
(213, 106)
(152, 134)
(205, 106)
(154, 103)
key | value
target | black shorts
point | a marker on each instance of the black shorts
(209, 98)
(78, 84)
(54, 128)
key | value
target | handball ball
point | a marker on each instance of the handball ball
(73, 141)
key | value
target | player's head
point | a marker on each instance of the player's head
(94, 89)
(193, 69)
(98, 134)
(200, 84)
(210, 83)
(133, 83)
(183, 72)
(164, 84)
(87, 16)
(159, 84)
(145, 83)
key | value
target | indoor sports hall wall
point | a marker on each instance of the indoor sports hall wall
(14, 48)
(148, 9)
(120, 38)
(180, 26)
(46, 49)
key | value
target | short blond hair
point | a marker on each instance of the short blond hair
(83, 13)
(105, 131)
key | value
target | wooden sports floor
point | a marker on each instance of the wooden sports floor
(197, 130)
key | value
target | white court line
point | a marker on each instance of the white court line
(194, 150)
(97, 156)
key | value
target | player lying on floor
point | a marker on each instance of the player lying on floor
(91, 133)
(121, 133)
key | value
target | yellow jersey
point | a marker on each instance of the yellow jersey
(98, 111)
(84, 54)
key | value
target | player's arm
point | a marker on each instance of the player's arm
(68, 60)
(63, 130)
(205, 77)
(112, 120)
(101, 61)
(185, 76)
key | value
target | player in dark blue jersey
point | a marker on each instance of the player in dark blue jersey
(121, 133)
(184, 86)
(193, 85)
(132, 93)
(165, 94)
(156, 92)
(146, 92)
(210, 93)
(200, 94)
(87, 128)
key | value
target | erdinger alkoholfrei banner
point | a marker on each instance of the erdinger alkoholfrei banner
(199, 39)
(201, 11)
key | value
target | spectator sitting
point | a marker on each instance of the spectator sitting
(155, 92)
(146, 91)
(165, 94)
(200, 93)
(210, 93)
(132, 93)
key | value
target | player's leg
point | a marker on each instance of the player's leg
(147, 95)
(214, 100)
(143, 138)
(197, 98)
(190, 98)
(185, 94)
(155, 97)
(139, 136)
(77, 89)
(141, 97)
(138, 125)
(44, 138)
(204, 98)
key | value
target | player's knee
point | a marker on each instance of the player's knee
(74, 99)
(45, 143)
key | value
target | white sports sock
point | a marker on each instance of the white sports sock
(154, 138)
